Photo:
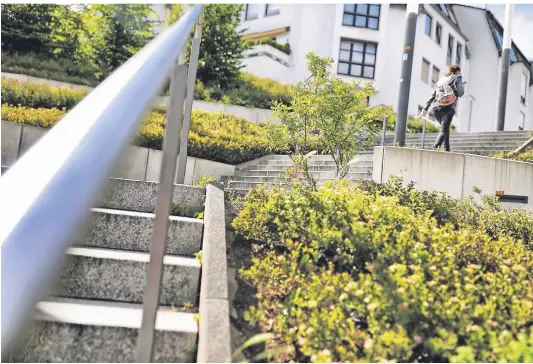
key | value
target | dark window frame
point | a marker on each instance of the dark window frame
(276, 12)
(449, 50)
(458, 53)
(433, 82)
(523, 92)
(362, 64)
(438, 33)
(430, 25)
(367, 16)
(246, 17)
(422, 71)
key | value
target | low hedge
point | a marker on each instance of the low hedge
(352, 273)
(521, 157)
(37, 95)
(214, 136)
(284, 47)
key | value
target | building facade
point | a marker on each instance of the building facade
(365, 42)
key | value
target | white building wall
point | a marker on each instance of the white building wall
(264, 66)
(514, 106)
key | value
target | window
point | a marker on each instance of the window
(435, 76)
(523, 88)
(443, 8)
(357, 59)
(272, 9)
(450, 50)
(361, 15)
(438, 33)
(252, 11)
(425, 70)
(458, 53)
(428, 25)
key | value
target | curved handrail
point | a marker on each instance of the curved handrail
(47, 194)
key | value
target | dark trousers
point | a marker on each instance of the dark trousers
(444, 116)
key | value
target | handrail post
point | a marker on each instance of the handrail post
(145, 341)
(384, 131)
(424, 132)
(191, 81)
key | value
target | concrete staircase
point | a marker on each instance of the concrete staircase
(486, 143)
(95, 309)
(272, 170)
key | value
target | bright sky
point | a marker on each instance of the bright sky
(522, 25)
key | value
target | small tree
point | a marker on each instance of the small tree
(326, 114)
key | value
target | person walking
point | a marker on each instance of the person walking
(444, 98)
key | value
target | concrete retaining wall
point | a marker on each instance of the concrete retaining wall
(254, 115)
(454, 173)
(137, 163)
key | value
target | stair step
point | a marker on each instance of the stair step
(282, 171)
(246, 185)
(280, 178)
(74, 331)
(128, 230)
(123, 194)
(115, 275)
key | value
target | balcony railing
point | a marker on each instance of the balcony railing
(47, 194)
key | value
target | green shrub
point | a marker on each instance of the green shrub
(36, 95)
(60, 69)
(355, 276)
(213, 136)
(521, 157)
(284, 47)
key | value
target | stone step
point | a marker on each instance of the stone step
(247, 185)
(132, 231)
(282, 171)
(364, 156)
(116, 275)
(283, 165)
(461, 139)
(123, 194)
(77, 331)
(484, 133)
(280, 177)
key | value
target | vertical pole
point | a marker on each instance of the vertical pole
(191, 80)
(424, 133)
(384, 131)
(145, 341)
(504, 69)
(405, 81)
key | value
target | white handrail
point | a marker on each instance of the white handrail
(47, 194)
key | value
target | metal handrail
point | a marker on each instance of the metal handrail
(47, 194)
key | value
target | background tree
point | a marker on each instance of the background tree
(326, 113)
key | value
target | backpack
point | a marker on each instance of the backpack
(444, 93)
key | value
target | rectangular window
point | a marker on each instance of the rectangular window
(361, 15)
(459, 53)
(252, 11)
(272, 9)
(435, 76)
(450, 50)
(357, 59)
(443, 8)
(438, 34)
(522, 124)
(425, 70)
(428, 25)
(523, 88)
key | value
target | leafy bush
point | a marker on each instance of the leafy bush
(521, 157)
(60, 69)
(38, 95)
(350, 275)
(214, 136)
(284, 47)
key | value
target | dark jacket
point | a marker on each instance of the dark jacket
(457, 85)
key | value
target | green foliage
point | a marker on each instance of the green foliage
(204, 180)
(284, 47)
(221, 47)
(351, 275)
(334, 111)
(414, 125)
(213, 136)
(60, 69)
(36, 95)
(521, 157)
